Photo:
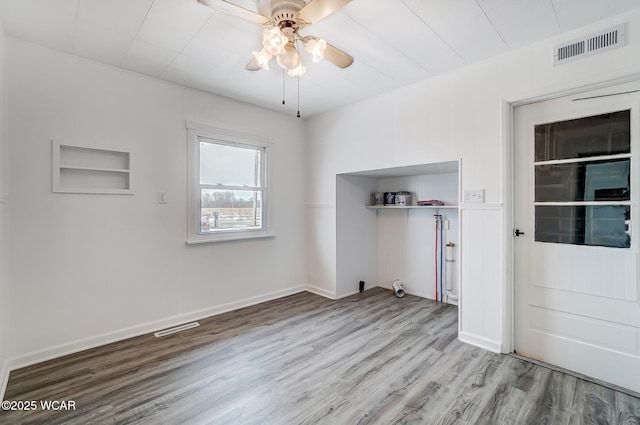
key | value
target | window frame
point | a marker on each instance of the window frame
(196, 131)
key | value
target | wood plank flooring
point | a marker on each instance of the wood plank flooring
(371, 358)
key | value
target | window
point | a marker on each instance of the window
(583, 181)
(228, 185)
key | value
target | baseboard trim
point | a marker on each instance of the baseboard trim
(110, 337)
(4, 378)
(320, 291)
(332, 295)
(416, 294)
(480, 341)
(348, 294)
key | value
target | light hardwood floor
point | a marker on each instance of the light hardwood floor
(371, 358)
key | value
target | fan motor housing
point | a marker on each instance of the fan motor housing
(283, 13)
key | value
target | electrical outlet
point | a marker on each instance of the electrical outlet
(474, 195)
(162, 197)
(445, 223)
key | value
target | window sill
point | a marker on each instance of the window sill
(228, 238)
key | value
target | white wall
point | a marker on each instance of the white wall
(406, 238)
(456, 115)
(4, 276)
(356, 234)
(92, 268)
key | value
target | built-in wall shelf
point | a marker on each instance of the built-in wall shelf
(406, 207)
(83, 169)
(381, 243)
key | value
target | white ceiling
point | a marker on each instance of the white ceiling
(394, 42)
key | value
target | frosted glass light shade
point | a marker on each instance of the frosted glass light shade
(316, 46)
(298, 71)
(290, 58)
(262, 57)
(274, 41)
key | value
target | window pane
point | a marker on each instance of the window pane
(230, 209)
(601, 225)
(605, 134)
(229, 165)
(584, 181)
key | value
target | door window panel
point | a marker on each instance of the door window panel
(606, 134)
(598, 225)
(583, 181)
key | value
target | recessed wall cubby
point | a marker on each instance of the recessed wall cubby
(83, 169)
(379, 244)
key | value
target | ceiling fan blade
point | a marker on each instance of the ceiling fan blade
(319, 9)
(253, 65)
(337, 56)
(235, 10)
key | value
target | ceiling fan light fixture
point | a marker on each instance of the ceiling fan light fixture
(262, 58)
(280, 21)
(298, 71)
(290, 58)
(316, 46)
(274, 41)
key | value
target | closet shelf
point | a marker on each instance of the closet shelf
(108, 170)
(407, 207)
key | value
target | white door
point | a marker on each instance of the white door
(576, 188)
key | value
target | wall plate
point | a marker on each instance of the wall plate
(476, 195)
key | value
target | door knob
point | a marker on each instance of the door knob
(517, 232)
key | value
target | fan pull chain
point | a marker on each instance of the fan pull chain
(298, 115)
(283, 86)
(299, 66)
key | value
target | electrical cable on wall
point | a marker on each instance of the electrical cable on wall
(435, 251)
(439, 258)
(441, 252)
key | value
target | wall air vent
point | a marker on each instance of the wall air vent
(608, 39)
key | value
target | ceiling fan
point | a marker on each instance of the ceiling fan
(283, 19)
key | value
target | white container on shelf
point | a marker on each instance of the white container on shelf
(403, 198)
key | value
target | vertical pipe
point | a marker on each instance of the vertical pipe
(449, 267)
(441, 268)
(438, 263)
(436, 258)
(448, 278)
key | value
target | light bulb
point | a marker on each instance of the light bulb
(316, 46)
(274, 41)
(262, 58)
(298, 71)
(290, 58)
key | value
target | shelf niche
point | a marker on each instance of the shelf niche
(379, 244)
(83, 169)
